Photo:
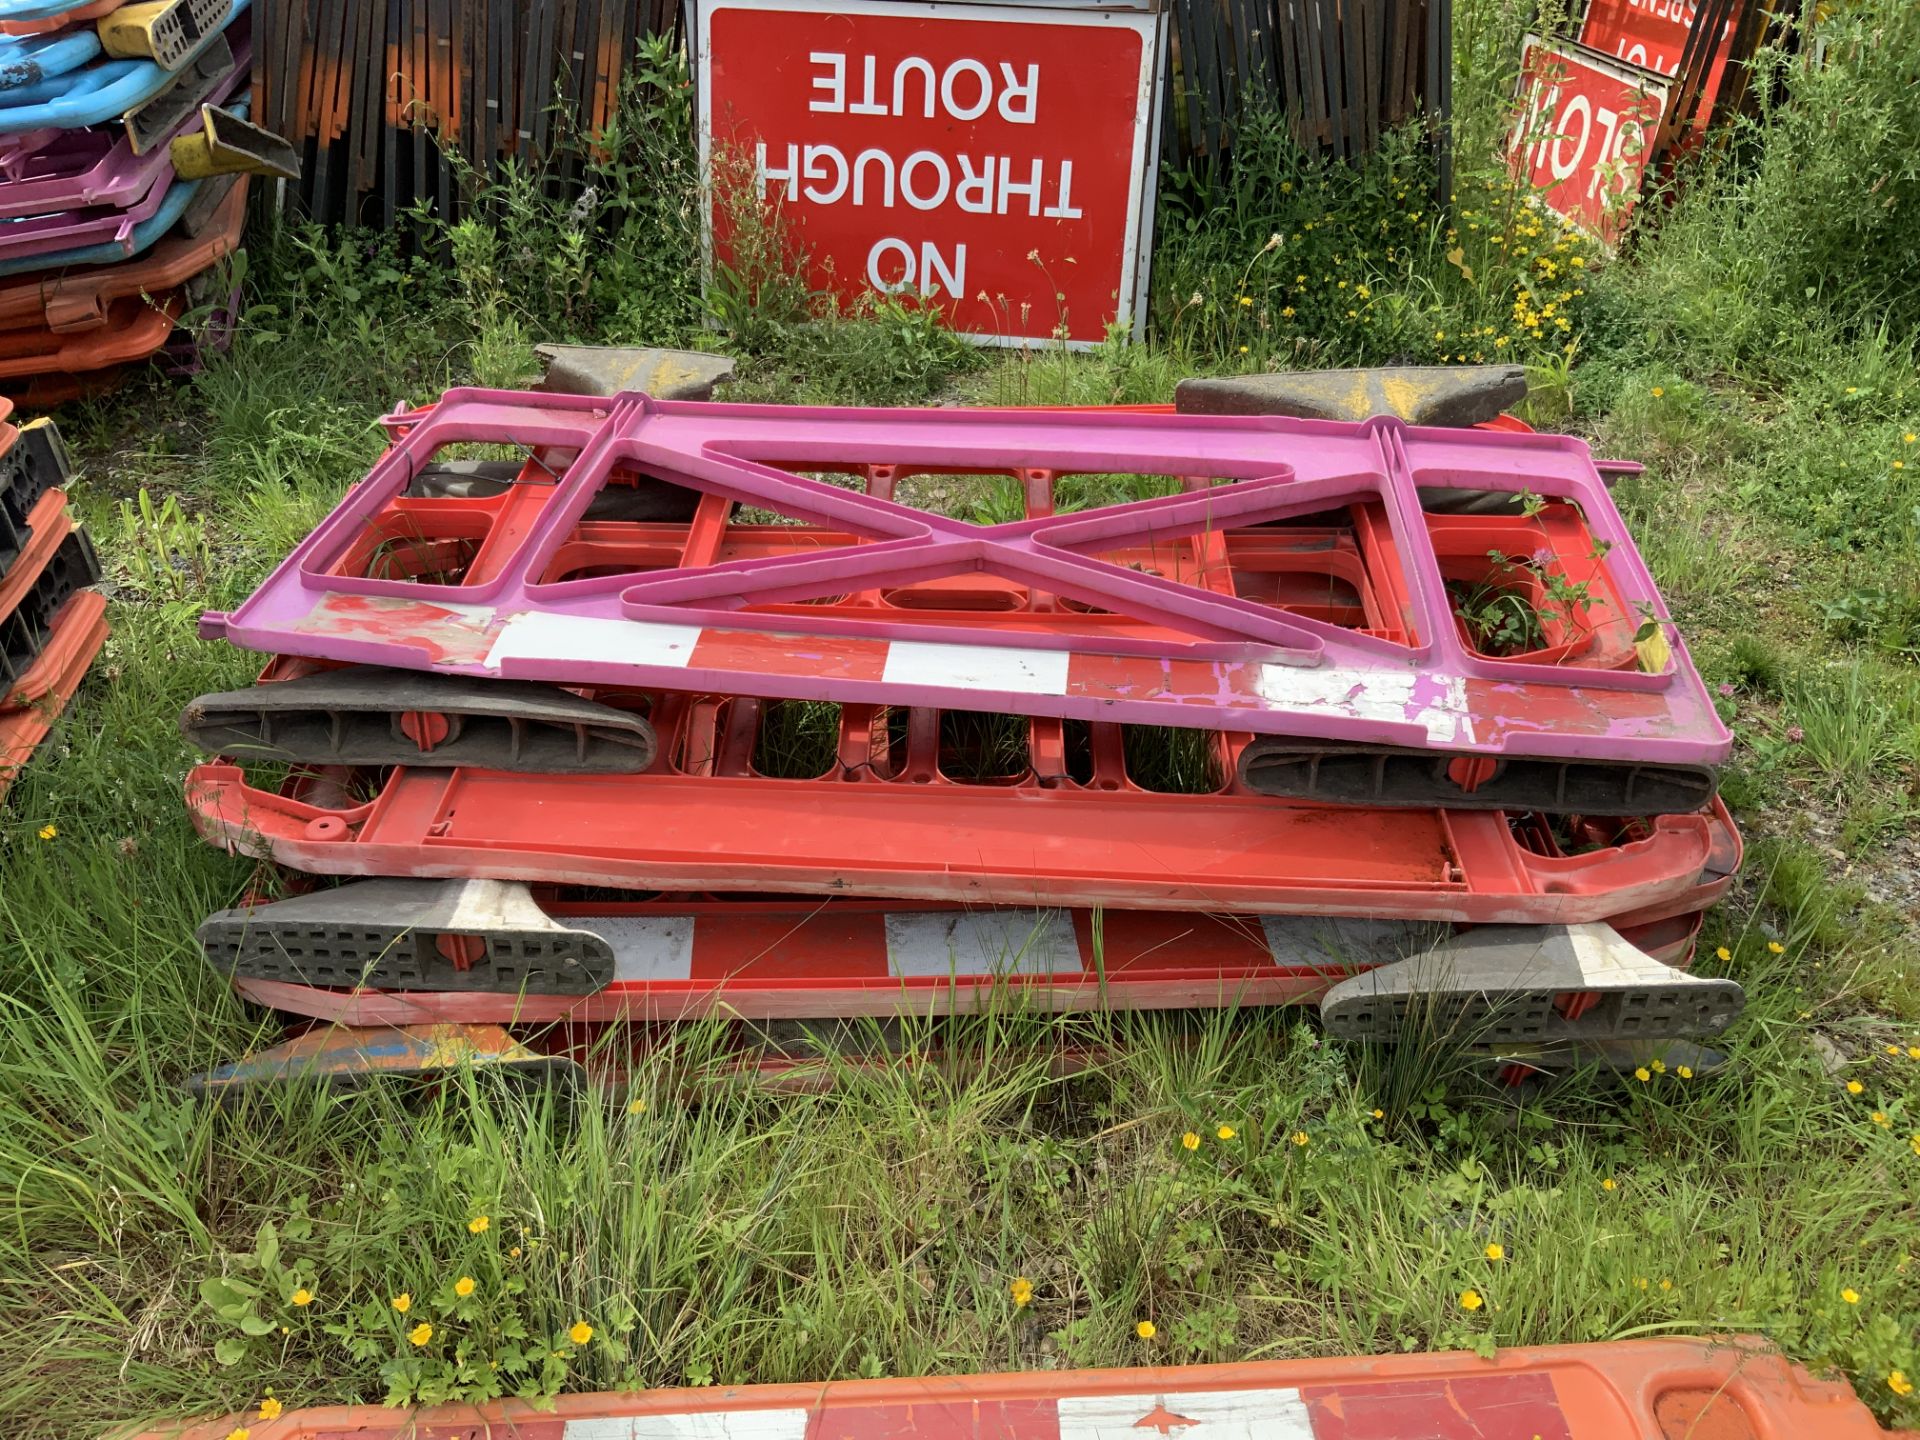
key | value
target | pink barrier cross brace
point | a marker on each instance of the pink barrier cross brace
(1228, 663)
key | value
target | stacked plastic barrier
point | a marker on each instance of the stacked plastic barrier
(541, 716)
(124, 155)
(51, 624)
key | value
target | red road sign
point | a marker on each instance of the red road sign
(1584, 131)
(1652, 35)
(996, 159)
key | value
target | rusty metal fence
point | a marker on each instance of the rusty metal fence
(380, 95)
(1343, 71)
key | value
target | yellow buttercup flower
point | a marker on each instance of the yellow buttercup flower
(1659, 1067)
(1854, 1087)
(1774, 947)
(1642, 1074)
(463, 1287)
(1146, 1330)
(1658, 391)
(478, 1225)
(1496, 1251)
(1896, 1382)
(49, 831)
(303, 1296)
(1470, 1300)
(1685, 1072)
(1301, 1138)
(580, 1333)
(1913, 1052)
(1879, 1117)
(270, 1408)
(1379, 1114)
(1609, 1184)
(1225, 1132)
(241, 1432)
(1850, 1295)
(1723, 953)
(402, 1302)
(1190, 1141)
(420, 1334)
(1022, 1291)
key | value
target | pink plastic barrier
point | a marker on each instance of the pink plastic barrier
(1117, 640)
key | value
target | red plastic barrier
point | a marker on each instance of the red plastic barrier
(783, 959)
(980, 844)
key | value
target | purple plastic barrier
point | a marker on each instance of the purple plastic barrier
(95, 166)
(89, 225)
(1224, 662)
(28, 142)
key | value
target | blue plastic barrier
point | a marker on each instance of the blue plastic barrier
(30, 60)
(89, 95)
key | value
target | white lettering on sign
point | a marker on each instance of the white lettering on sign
(814, 169)
(929, 277)
(924, 180)
(1557, 160)
(934, 193)
(965, 90)
(833, 85)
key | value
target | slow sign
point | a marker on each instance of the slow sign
(996, 160)
(1652, 35)
(1583, 133)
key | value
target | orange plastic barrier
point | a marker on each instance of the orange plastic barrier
(43, 691)
(46, 24)
(80, 299)
(135, 328)
(1733, 1389)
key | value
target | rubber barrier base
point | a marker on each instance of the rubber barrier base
(1418, 394)
(410, 935)
(27, 625)
(1512, 984)
(164, 31)
(364, 716)
(1373, 775)
(231, 145)
(154, 119)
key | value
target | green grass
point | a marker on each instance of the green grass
(711, 1232)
